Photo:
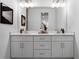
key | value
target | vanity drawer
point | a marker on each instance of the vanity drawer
(42, 53)
(67, 38)
(62, 38)
(21, 38)
(16, 38)
(42, 45)
(56, 38)
(42, 38)
(27, 38)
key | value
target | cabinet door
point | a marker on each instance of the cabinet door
(16, 49)
(56, 49)
(68, 49)
(28, 49)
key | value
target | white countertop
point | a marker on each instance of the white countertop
(36, 33)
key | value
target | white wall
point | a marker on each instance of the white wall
(73, 22)
(5, 29)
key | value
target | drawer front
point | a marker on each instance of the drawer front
(16, 38)
(56, 38)
(62, 38)
(67, 38)
(42, 53)
(42, 45)
(21, 38)
(27, 38)
(42, 38)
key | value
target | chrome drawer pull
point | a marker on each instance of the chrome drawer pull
(42, 53)
(42, 45)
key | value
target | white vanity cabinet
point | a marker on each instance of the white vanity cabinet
(42, 46)
(62, 46)
(21, 46)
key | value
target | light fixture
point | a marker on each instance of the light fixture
(57, 3)
(26, 3)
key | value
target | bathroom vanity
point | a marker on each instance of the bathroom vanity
(45, 46)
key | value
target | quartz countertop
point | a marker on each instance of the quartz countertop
(37, 33)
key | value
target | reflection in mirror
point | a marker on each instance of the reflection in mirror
(44, 22)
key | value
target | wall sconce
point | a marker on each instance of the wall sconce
(58, 3)
(26, 3)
